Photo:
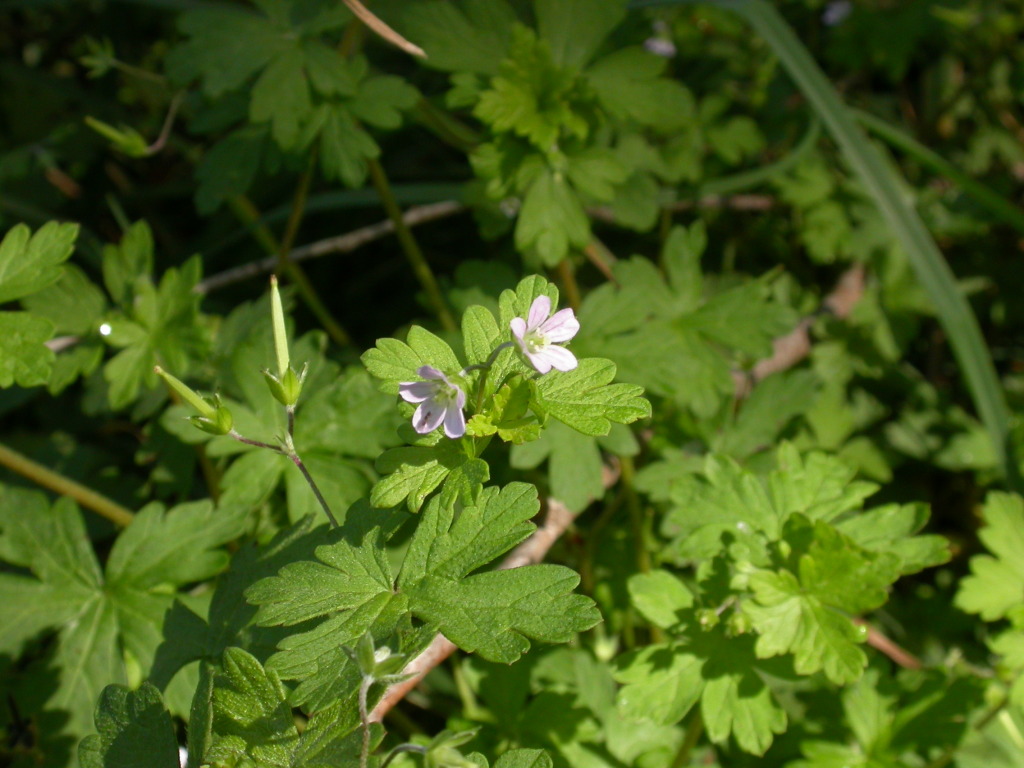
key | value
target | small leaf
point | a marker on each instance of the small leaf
(135, 731)
(25, 359)
(586, 400)
(994, 587)
(29, 263)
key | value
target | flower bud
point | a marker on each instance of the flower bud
(189, 395)
(218, 424)
(280, 332)
(287, 388)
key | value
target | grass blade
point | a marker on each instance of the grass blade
(883, 185)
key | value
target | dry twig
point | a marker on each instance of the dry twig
(339, 244)
(530, 552)
(796, 345)
(373, 22)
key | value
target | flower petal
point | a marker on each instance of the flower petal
(539, 311)
(455, 422)
(460, 398)
(538, 360)
(518, 326)
(428, 416)
(430, 372)
(561, 326)
(557, 357)
(416, 391)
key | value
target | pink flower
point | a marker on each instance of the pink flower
(538, 335)
(439, 401)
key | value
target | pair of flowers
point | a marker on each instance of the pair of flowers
(441, 401)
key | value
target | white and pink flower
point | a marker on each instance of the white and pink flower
(539, 335)
(440, 401)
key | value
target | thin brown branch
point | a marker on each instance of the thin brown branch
(530, 552)
(382, 29)
(880, 642)
(340, 244)
(796, 345)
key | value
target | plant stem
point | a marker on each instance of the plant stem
(364, 718)
(65, 486)
(410, 247)
(290, 452)
(250, 215)
(694, 729)
(291, 228)
(569, 286)
(313, 486)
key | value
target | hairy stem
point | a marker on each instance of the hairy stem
(364, 718)
(313, 487)
(289, 451)
(418, 262)
(65, 486)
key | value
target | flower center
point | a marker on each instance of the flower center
(446, 394)
(534, 341)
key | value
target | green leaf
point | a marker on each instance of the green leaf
(660, 683)
(117, 616)
(346, 578)
(177, 546)
(73, 304)
(551, 220)
(128, 261)
(492, 613)
(769, 409)
(251, 717)
(480, 334)
(470, 37)
(412, 473)
(576, 28)
(394, 362)
(524, 758)
(574, 464)
(29, 263)
(744, 318)
(664, 682)
(798, 611)
(816, 485)
(586, 400)
(229, 167)
(994, 587)
(892, 529)
(163, 324)
(25, 359)
(226, 47)
(281, 97)
(381, 100)
(135, 731)
(629, 85)
(507, 416)
(660, 597)
(344, 146)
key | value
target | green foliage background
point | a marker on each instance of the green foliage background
(809, 561)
